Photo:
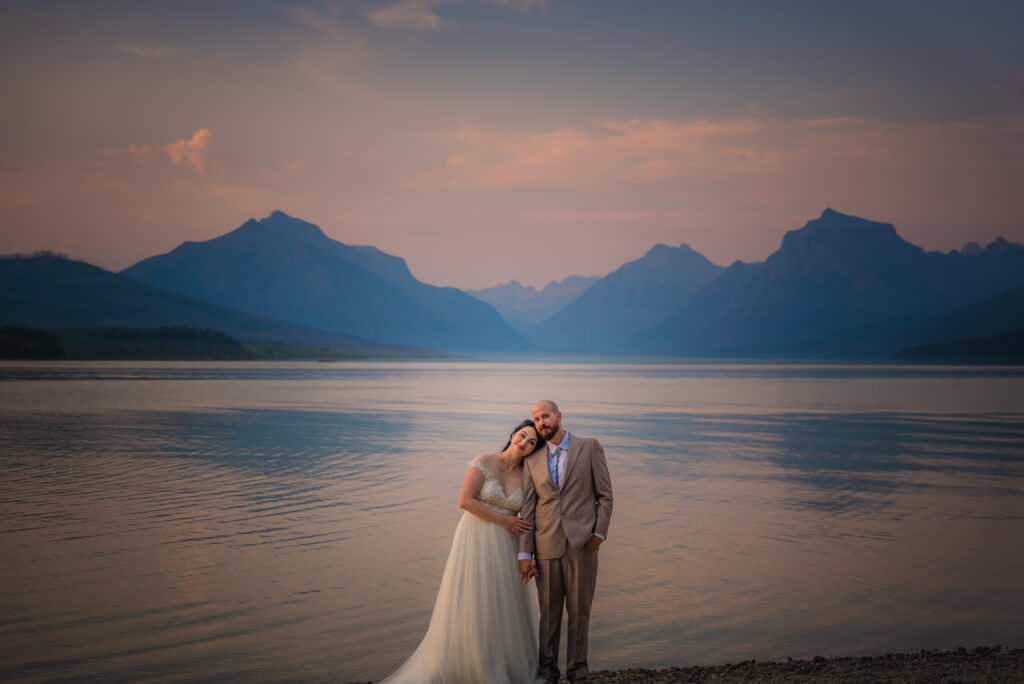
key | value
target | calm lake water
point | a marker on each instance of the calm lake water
(269, 522)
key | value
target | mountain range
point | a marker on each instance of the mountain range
(286, 268)
(51, 292)
(611, 312)
(839, 287)
(523, 307)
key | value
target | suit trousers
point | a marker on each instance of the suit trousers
(569, 581)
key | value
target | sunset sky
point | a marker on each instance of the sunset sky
(512, 139)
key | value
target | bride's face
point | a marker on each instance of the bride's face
(524, 441)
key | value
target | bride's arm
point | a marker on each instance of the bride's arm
(468, 501)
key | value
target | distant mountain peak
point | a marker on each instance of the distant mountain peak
(523, 306)
(835, 232)
(831, 219)
(574, 284)
(280, 222)
(287, 268)
(249, 227)
(1001, 244)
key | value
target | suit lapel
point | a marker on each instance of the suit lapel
(540, 458)
(571, 457)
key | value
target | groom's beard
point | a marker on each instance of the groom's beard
(547, 431)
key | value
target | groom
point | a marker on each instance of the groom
(567, 495)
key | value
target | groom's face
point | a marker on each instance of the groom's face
(547, 421)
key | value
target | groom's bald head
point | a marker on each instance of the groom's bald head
(546, 404)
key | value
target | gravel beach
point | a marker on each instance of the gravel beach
(932, 667)
(962, 666)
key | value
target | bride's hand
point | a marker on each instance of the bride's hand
(515, 524)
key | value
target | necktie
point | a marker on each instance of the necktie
(558, 455)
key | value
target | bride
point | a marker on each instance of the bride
(484, 625)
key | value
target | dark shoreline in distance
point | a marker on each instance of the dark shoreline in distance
(960, 666)
(174, 343)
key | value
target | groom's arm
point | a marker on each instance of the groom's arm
(602, 490)
(528, 513)
(527, 566)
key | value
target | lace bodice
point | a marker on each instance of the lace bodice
(492, 494)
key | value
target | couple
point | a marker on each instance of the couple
(484, 626)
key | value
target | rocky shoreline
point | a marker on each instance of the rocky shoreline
(960, 666)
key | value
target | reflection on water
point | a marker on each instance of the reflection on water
(264, 522)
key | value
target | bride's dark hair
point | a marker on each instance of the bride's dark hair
(525, 423)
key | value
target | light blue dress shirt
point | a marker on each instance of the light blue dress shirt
(556, 464)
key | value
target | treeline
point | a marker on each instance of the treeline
(1004, 349)
(28, 343)
(175, 343)
(36, 255)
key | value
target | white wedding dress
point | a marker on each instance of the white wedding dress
(484, 626)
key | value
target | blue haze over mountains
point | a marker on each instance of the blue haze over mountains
(287, 268)
(524, 307)
(52, 292)
(839, 287)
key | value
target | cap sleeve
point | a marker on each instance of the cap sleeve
(478, 463)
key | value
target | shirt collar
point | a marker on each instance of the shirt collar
(564, 444)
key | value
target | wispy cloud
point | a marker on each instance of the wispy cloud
(407, 14)
(421, 15)
(200, 151)
(521, 5)
(700, 153)
(337, 54)
(935, 180)
(147, 51)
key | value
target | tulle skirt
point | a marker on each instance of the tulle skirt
(484, 626)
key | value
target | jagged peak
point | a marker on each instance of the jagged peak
(250, 226)
(839, 237)
(280, 222)
(1001, 244)
(514, 285)
(834, 222)
(662, 248)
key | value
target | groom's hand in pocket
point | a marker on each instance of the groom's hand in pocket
(594, 543)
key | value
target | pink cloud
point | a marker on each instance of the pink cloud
(408, 14)
(730, 188)
(200, 151)
(420, 15)
(147, 51)
(197, 150)
(752, 151)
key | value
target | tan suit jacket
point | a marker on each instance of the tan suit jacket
(570, 515)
